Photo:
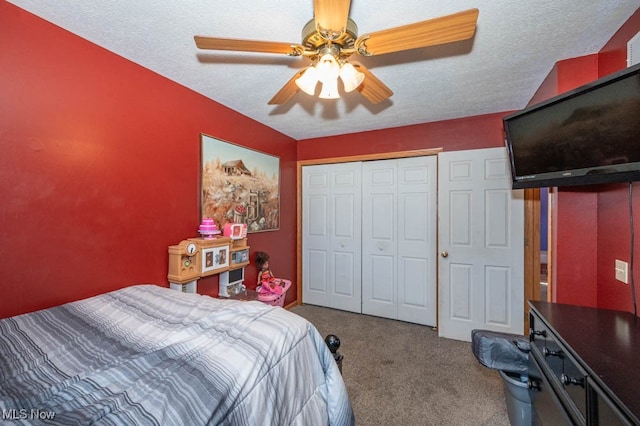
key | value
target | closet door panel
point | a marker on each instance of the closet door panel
(316, 253)
(382, 273)
(331, 252)
(417, 240)
(379, 238)
(369, 241)
(414, 292)
(346, 265)
(317, 262)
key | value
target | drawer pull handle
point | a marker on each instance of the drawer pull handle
(533, 384)
(547, 352)
(542, 333)
(566, 380)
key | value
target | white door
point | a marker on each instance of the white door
(417, 239)
(331, 227)
(379, 239)
(399, 239)
(480, 239)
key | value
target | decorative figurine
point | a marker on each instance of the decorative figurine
(208, 229)
(267, 283)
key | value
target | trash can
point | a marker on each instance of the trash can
(509, 354)
(516, 393)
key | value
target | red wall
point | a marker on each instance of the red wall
(576, 248)
(99, 169)
(465, 133)
(593, 222)
(567, 75)
(614, 233)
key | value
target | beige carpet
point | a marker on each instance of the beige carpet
(399, 373)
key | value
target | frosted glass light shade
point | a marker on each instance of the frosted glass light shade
(328, 72)
(351, 77)
(329, 89)
(328, 68)
(307, 81)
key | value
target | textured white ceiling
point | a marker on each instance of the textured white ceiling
(515, 46)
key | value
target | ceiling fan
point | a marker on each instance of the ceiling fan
(331, 38)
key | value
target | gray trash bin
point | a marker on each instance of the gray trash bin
(516, 393)
(509, 354)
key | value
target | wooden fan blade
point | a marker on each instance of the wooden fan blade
(371, 88)
(288, 90)
(331, 17)
(216, 43)
(445, 29)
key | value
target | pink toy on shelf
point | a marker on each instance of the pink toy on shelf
(208, 229)
(235, 231)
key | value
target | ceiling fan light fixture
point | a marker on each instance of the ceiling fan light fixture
(331, 37)
(308, 81)
(351, 77)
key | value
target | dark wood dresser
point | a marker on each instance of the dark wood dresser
(584, 365)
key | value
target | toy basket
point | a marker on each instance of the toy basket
(276, 299)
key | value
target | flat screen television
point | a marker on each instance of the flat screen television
(236, 276)
(590, 135)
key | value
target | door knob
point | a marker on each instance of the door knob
(444, 254)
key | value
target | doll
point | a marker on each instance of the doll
(267, 283)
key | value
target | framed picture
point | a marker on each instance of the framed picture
(214, 258)
(239, 185)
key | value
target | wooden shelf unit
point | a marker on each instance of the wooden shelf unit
(195, 258)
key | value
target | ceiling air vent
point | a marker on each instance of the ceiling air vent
(633, 50)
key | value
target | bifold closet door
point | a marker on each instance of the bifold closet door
(399, 240)
(331, 236)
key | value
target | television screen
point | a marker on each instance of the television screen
(587, 136)
(236, 275)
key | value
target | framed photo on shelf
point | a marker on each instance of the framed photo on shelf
(214, 258)
(239, 185)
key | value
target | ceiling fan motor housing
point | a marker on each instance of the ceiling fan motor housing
(314, 41)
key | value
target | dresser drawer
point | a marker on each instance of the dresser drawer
(548, 410)
(564, 371)
(604, 410)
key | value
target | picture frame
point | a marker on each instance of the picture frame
(214, 258)
(239, 185)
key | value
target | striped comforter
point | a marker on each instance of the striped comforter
(147, 355)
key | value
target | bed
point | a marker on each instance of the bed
(148, 355)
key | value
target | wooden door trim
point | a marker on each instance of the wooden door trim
(531, 250)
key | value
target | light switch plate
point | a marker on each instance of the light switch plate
(622, 271)
(633, 50)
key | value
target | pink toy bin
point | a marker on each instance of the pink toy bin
(276, 299)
